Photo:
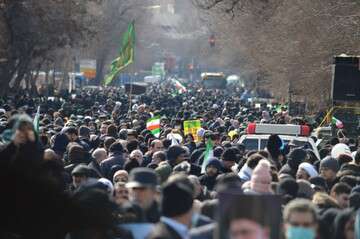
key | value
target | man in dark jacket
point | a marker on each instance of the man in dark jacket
(213, 169)
(142, 191)
(177, 154)
(115, 158)
(98, 156)
(176, 219)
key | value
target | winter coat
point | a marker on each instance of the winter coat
(115, 158)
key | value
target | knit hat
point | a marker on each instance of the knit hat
(216, 163)
(296, 157)
(163, 171)
(109, 186)
(330, 163)
(309, 169)
(177, 199)
(261, 177)
(340, 149)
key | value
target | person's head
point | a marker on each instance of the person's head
(306, 171)
(243, 228)
(131, 135)
(111, 130)
(99, 154)
(345, 224)
(108, 142)
(296, 157)
(137, 155)
(76, 153)
(176, 154)
(121, 193)
(156, 145)
(229, 157)
(103, 128)
(250, 219)
(132, 145)
(120, 176)
(341, 192)
(329, 168)
(261, 177)
(158, 157)
(49, 154)
(142, 186)
(116, 147)
(178, 192)
(84, 132)
(80, 174)
(300, 219)
(72, 134)
(213, 168)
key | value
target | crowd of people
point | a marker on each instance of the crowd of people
(89, 167)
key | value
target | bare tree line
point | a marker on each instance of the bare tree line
(289, 44)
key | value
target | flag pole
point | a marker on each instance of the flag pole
(132, 71)
(131, 88)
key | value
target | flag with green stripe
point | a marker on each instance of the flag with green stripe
(153, 125)
(126, 56)
(37, 120)
(209, 153)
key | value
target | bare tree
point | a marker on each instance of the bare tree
(33, 29)
(291, 41)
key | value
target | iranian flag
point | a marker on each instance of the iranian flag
(338, 123)
(153, 125)
(180, 87)
(209, 153)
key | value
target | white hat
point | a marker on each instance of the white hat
(309, 169)
(108, 184)
(340, 149)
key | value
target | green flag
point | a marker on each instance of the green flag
(37, 120)
(126, 56)
(208, 154)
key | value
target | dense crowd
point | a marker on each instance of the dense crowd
(91, 169)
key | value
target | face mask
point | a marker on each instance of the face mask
(300, 233)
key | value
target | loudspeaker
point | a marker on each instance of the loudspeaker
(346, 79)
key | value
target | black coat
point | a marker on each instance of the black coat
(95, 167)
(208, 181)
(152, 215)
(107, 164)
(163, 231)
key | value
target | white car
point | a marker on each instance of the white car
(258, 134)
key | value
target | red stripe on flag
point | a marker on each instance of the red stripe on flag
(152, 127)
